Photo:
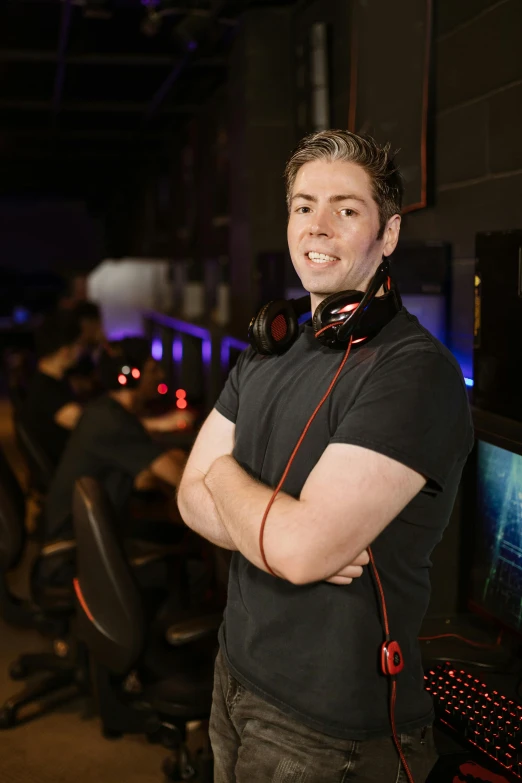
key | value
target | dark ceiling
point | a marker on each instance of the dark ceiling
(83, 83)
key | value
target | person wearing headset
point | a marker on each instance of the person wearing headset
(382, 427)
(51, 410)
(112, 443)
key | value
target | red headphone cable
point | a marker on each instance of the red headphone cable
(393, 686)
(294, 452)
(393, 678)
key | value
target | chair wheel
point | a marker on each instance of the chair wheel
(178, 769)
(205, 766)
(7, 718)
(18, 670)
(111, 735)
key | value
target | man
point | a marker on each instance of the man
(111, 443)
(299, 693)
(82, 376)
(89, 317)
(50, 411)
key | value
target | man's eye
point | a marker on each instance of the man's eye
(347, 212)
(300, 210)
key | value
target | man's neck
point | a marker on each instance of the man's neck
(52, 367)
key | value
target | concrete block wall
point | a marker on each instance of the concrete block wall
(478, 135)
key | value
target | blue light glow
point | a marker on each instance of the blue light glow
(468, 381)
(157, 349)
(206, 351)
(179, 326)
(226, 344)
(21, 315)
(177, 349)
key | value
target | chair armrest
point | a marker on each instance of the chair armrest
(141, 553)
(57, 548)
(188, 631)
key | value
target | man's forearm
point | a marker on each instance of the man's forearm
(200, 514)
(241, 501)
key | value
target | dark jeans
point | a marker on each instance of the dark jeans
(254, 742)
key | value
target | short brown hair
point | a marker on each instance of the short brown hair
(342, 145)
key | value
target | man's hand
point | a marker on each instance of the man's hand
(350, 572)
(174, 421)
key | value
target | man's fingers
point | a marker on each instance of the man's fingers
(351, 571)
(340, 580)
(362, 559)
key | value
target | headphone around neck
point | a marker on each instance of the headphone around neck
(347, 315)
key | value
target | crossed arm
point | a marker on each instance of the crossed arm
(350, 496)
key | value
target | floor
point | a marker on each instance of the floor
(66, 745)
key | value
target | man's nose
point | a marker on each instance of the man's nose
(320, 225)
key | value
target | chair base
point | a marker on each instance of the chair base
(181, 766)
(46, 693)
(120, 715)
(29, 664)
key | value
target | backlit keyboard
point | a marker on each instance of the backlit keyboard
(482, 717)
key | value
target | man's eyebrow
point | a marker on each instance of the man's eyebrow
(347, 197)
(304, 196)
(332, 199)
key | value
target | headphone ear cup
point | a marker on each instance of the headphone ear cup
(274, 328)
(317, 320)
(331, 312)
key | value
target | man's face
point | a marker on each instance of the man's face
(333, 228)
(92, 332)
(151, 376)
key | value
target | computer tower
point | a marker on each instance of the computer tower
(498, 323)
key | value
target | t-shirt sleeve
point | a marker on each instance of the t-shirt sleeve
(415, 410)
(127, 446)
(228, 401)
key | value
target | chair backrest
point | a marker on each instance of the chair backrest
(38, 463)
(12, 517)
(111, 618)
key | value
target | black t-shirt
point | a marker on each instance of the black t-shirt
(45, 397)
(313, 650)
(109, 444)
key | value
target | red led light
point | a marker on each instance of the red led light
(181, 394)
(163, 388)
(135, 373)
(181, 404)
(122, 379)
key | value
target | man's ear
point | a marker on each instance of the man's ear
(391, 235)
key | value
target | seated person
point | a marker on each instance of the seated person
(50, 410)
(92, 337)
(82, 375)
(112, 444)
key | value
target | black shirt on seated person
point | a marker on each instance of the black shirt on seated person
(45, 397)
(109, 444)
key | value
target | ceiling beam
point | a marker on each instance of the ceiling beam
(64, 134)
(94, 107)
(132, 60)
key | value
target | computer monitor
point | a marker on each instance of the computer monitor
(495, 587)
(431, 310)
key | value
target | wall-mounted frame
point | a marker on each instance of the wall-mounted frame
(391, 83)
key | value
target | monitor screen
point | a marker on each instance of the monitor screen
(496, 575)
(431, 310)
